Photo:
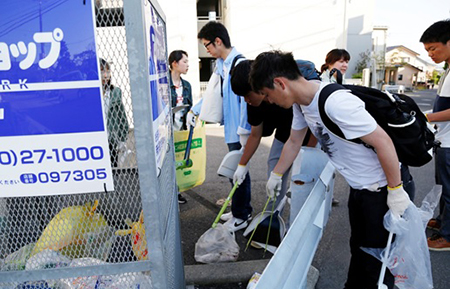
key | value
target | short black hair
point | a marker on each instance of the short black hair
(176, 56)
(240, 83)
(214, 29)
(437, 32)
(271, 64)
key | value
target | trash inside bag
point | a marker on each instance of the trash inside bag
(409, 258)
(138, 238)
(47, 259)
(34, 285)
(16, 261)
(216, 245)
(120, 281)
(77, 231)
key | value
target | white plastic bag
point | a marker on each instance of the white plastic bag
(216, 245)
(409, 258)
(212, 110)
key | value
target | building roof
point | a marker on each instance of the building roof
(400, 47)
(397, 65)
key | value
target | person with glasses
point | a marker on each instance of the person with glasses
(214, 36)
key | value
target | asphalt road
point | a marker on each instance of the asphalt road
(333, 254)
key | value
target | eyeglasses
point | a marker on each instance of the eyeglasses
(209, 43)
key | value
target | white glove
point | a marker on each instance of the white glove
(243, 138)
(239, 174)
(397, 200)
(273, 186)
(191, 118)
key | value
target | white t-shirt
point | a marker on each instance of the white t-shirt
(358, 164)
(178, 119)
(443, 127)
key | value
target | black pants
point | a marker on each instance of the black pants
(366, 211)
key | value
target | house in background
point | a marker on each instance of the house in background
(405, 67)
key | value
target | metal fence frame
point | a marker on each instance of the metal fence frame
(158, 193)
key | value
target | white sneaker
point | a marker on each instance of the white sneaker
(235, 224)
(225, 217)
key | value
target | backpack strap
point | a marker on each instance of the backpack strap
(233, 63)
(327, 122)
(338, 75)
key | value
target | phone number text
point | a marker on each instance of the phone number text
(64, 176)
(38, 156)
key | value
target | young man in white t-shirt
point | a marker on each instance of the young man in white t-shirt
(374, 178)
(436, 40)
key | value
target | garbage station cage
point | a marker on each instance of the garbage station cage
(139, 187)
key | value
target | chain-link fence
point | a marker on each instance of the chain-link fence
(100, 240)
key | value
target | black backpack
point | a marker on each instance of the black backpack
(397, 114)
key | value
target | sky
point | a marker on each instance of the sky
(408, 19)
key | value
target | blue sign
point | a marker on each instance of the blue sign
(43, 60)
(52, 130)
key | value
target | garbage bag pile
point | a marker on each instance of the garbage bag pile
(78, 236)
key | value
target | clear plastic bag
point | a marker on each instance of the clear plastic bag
(216, 245)
(409, 258)
(18, 259)
(120, 281)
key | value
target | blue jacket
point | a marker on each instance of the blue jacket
(234, 106)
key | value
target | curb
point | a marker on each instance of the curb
(234, 272)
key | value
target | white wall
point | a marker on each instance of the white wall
(310, 29)
(181, 20)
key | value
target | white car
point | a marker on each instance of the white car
(394, 88)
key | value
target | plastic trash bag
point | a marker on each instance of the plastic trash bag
(216, 245)
(138, 238)
(47, 259)
(409, 258)
(16, 261)
(429, 203)
(34, 285)
(77, 231)
(120, 281)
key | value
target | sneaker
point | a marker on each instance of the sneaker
(235, 224)
(181, 199)
(434, 224)
(438, 243)
(225, 217)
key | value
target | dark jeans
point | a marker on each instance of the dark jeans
(442, 169)
(366, 210)
(408, 181)
(240, 206)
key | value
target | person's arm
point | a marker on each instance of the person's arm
(386, 154)
(249, 149)
(290, 150)
(439, 116)
(244, 127)
(397, 198)
(252, 144)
